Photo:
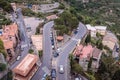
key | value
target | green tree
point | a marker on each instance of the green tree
(37, 30)
(107, 67)
(31, 51)
(6, 6)
(90, 63)
(2, 66)
(39, 14)
(61, 6)
(40, 52)
(59, 21)
(66, 23)
(88, 39)
(116, 75)
(28, 12)
(75, 67)
(99, 44)
(2, 49)
(55, 11)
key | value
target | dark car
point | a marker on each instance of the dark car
(52, 43)
(75, 32)
(117, 49)
(53, 73)
(55, 54)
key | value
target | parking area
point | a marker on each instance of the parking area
(31, 24)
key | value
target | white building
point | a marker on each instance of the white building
(101, 29)
(94, 29)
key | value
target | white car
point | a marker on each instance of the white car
(58, 50)
(61, 69)
(18, 58)
(52, 47)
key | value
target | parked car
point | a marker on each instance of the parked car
(44, 77)
(117, 49)
(53, 47)
(53, 73)
(18, 58)
(52, 42)
(55, 54)
(58, 50)
(61, 69)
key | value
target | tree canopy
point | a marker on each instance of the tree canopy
(6, 6)
(2, 50)
(66, 22)
(2, 66)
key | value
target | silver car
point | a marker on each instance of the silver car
(61, 69)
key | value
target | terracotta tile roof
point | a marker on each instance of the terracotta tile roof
(78, 50)
(8, 44)
(26, 65)
(60, 38)
(86, 51)
(83, 51)
(11, 29)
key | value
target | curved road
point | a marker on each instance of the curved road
(47, 51)
(62, 59)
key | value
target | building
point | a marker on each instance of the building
(9, 36)
(51, 17)
(26, 68)
(96, 56)
(37, 41)
(85, 53)
(101, 29)
(96, 29)
(92, 30)
(110, 40)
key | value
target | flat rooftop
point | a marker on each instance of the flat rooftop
(37, 41)
(26, 65)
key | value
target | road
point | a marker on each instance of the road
(47, 48)
(67, 49)
(47, 7)
(47, 51)
(23, 37)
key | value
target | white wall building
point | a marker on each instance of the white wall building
(94, 29)
(101, 29)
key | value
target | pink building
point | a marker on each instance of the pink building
(84, 53)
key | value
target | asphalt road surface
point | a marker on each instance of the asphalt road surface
(67, 49)
(23, 36)
(47, 51)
